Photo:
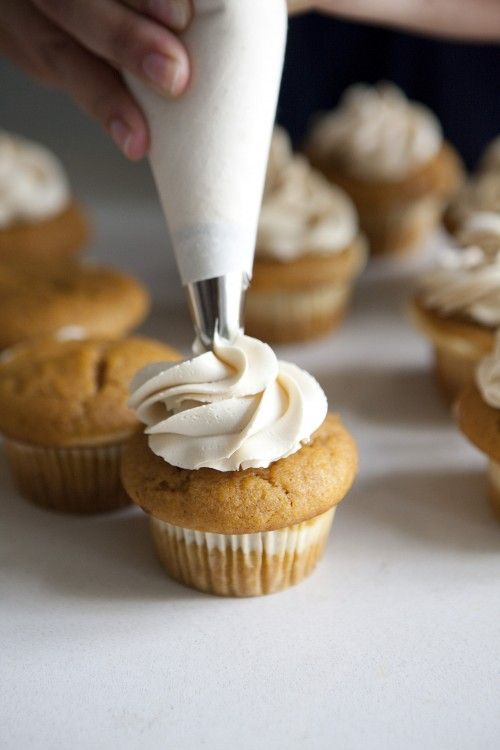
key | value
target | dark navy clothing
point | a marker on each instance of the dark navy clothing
(460, 82)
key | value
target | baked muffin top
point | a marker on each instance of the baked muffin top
(57, 393)
(36, 300)
(289, 491)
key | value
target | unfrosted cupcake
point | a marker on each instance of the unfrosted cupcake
(309, 251)
(39, 219)
(478, 414)
(36, 300)
(240, 469)
(389, 155)
(65, 420)
(457, 306)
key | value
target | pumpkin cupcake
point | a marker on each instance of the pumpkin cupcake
(65, 420)
(240, 468)
(39, 219)
(389, 155)
(36, 300)
(309, 251)
(478, 414)
(457, 306)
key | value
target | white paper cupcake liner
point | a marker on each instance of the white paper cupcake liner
(79, 479)
(241, 564)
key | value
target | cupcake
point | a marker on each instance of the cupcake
(309, 251)
(39, 219)
(478, 414)
(478, 203)
(457, 306)
(490, 160)
(240, 468)
(36, 300)
(389, 155)
(481, 229)
(65, 420)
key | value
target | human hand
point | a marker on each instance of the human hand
(80, 46)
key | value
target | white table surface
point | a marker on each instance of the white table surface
(392, 644)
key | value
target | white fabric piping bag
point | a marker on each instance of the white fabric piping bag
(209, 151)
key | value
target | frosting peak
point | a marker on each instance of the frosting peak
(488, 376)
(377, 133)
(232, 408)
(33, 184)
(301, 212)
(467, 283)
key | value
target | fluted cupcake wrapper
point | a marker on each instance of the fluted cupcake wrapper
(494, 480)
(242, 564)
(77, 479)
(402, 229)
(292, 315)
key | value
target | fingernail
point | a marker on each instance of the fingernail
(122, 135)
(164, 72)
(175, 13)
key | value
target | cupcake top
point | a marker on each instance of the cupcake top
(236, 407)
(33, 184)
(36, 300)
(480, 195)
(490, 160)
(66, 392)
(465, 285)
(301, 212)
(481, 228)
(377, 133)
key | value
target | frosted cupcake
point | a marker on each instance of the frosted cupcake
(478, 414)
(490, 160)
(65, 420)
(240, 468)
(457, 306)
(476, 208)
(36, 301)
(309, 251)
(482, 229)
(389, 155)
(39, 219)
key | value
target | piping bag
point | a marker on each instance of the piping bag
(209, 151)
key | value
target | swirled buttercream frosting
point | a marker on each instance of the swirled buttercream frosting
(301, 212)
(467, 283)
(33, 184)
(488, 376)
(377, 133)
(232, 408)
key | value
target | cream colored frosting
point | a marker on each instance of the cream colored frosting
(488, 376)
(377, 133)
(232, 408)
(301, 212)
(466, 283)
(33, 184)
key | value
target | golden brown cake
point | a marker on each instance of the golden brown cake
(64, 417)
(398, 185)
(478, 412)
(240, 484)
(39, 219)
(36, 300)
(309, 251)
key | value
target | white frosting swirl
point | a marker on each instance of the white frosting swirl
(231, 408)
(466, 283)
(488, 376)
(33, 184)
(376, 133)
(301, 212)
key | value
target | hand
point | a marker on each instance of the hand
(80, 46)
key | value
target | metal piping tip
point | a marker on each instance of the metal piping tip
(216, 306)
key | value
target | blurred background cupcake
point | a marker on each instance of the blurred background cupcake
(389, 155)
(36, 300)
(478, 413)
(39, 218)
(309, 251)
(65, 420)
(457, 306)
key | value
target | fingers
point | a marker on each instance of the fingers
(127, 39)
(176, 14)
(49, 54)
